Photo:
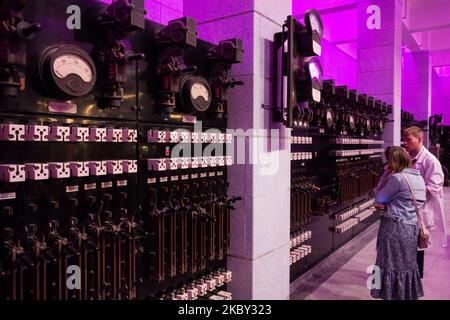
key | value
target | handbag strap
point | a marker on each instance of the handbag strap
(419, 219)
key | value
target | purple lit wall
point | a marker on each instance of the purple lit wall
(440, 97)
(338, 65)
(162, 11)
(339, 50)
(416, 83)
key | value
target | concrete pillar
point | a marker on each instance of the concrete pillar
(416, 86)
(260, 224)
(379, 58)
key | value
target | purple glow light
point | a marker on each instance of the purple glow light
(338, 65)
(440, 94)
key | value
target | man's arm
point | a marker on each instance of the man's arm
(433, 177)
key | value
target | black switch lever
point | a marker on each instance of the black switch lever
(90, 201)
(186, 69)
(167, 210)
(26, 30)
(54, 205)
(125, 235)
(141, 231)
(123, 195)
(8, 234)
(135, 56)
(8, 211)
(72, 251)
(25, 260)
(31, 209)
(234, 83)
(73, 202)
(49, 255)
(107, 197)
(91, 245)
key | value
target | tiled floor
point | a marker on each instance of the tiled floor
(349, 282)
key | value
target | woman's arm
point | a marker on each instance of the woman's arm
(388, 191)
(384, 178)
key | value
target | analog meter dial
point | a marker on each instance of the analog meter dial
(67, 71)
(196, 94)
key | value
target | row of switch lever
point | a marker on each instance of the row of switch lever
(34, 132)
(164, 164)
(350, 213)
(301, 140)
(184, 136)
(365, 214)
(50, 249)
(356, 152)
(299, 253)
(301, 155)
(341, 140)
(59, 170)
(299, 238)
(348, 224)
(200, 287)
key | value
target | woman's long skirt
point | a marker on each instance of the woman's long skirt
(399, 277)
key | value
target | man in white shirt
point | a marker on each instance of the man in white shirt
(431, 171)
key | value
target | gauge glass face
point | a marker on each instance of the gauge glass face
(315, 71)
(315, 24)
(198, 89)
(67, 64)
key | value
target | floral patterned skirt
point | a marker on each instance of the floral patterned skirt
(397, 261)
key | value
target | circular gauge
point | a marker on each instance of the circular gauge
(195, 94)
(351, 122)
(329, 118)
(68, 64)
(314, 22)
(66, 71)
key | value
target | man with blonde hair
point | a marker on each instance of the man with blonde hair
(431, 171)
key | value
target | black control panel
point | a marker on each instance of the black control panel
(336, 163)
(113, 170)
